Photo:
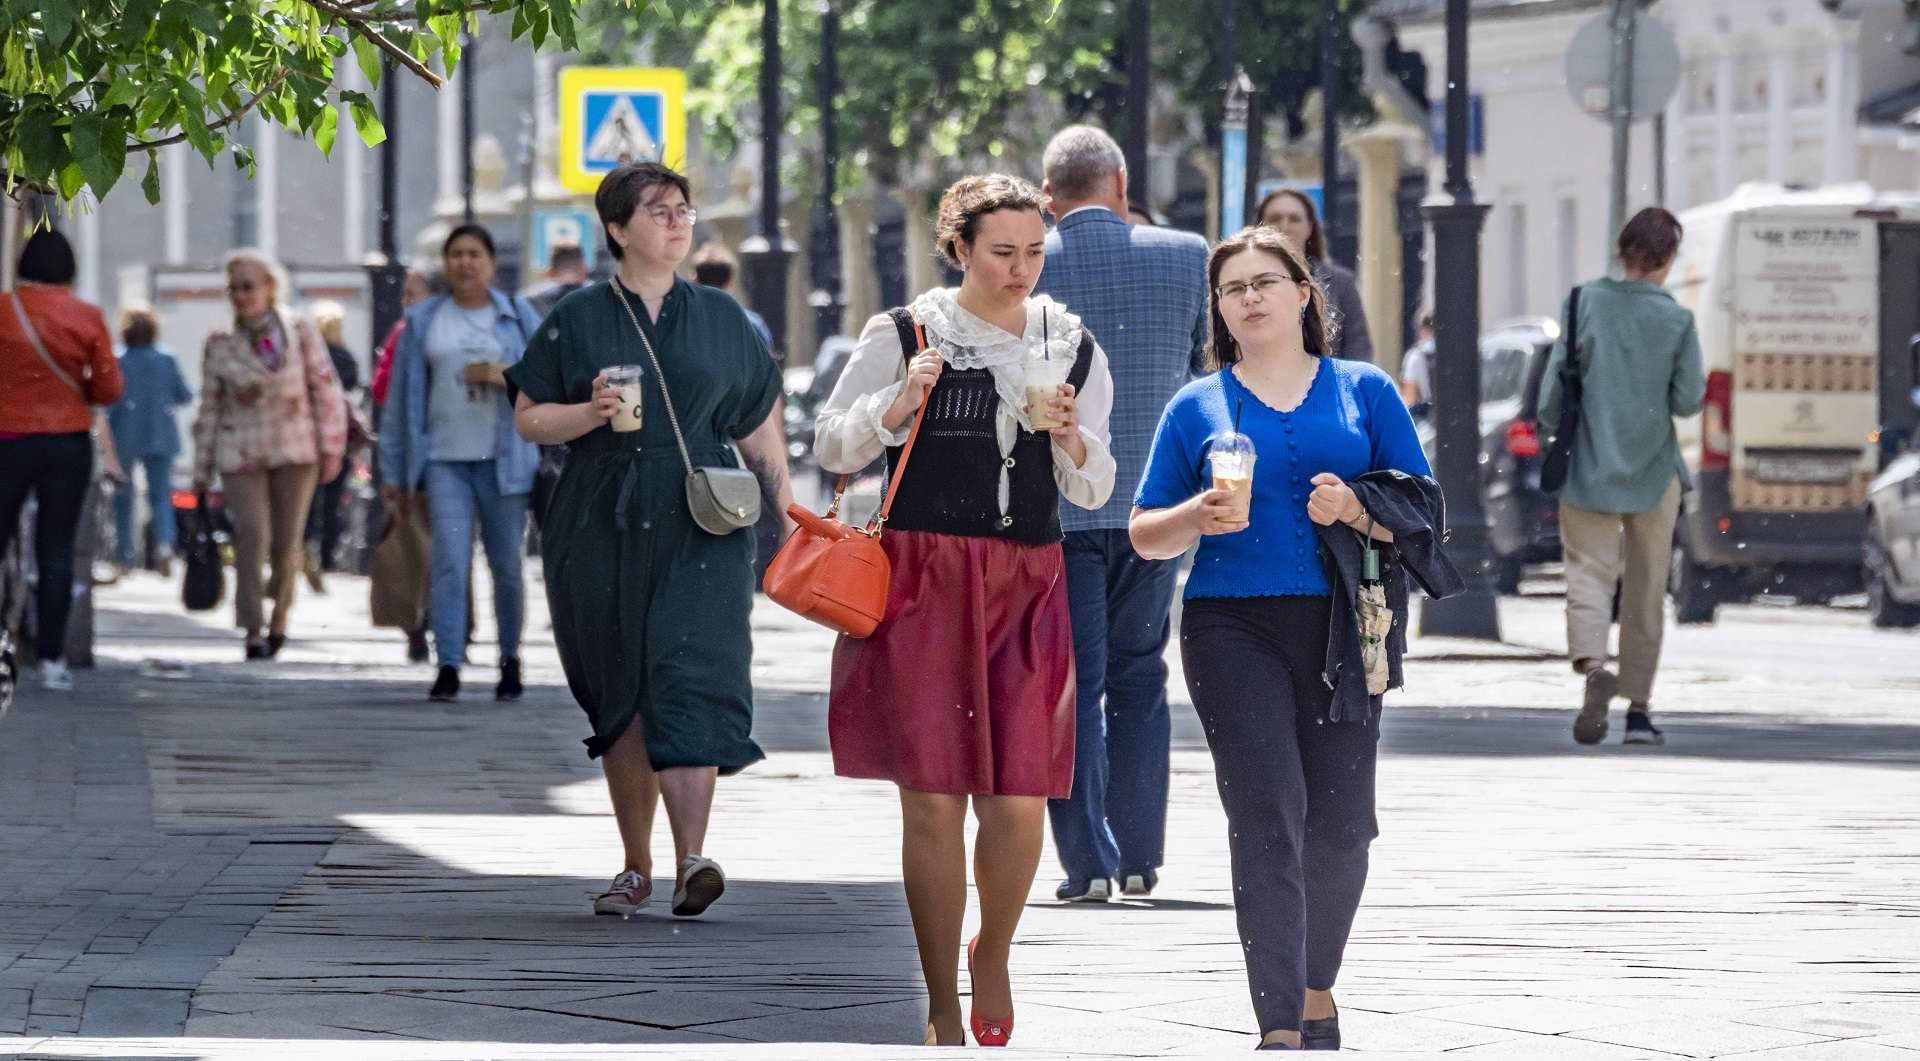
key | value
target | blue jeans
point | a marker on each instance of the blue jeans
(159, 472)
(1115, 822)
(457, 491)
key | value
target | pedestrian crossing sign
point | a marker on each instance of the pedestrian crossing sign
(615, 114)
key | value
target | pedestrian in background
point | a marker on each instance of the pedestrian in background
(566, 273)
(1270, 635)
(1144, 290)
(448, 429)
(56, 367)
(965, 691)
(650, 609)
(1291, 212)
(146, 436)
(326, 518)
(1416, 367)
(417, 286)
(714, 266)
(272, 425)
(1637, 355)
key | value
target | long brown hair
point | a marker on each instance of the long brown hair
(1316, 239)
(1316, 330)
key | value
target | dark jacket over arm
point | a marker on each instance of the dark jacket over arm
(1411, 506)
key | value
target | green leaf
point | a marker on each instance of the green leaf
(42, 148)
(325, 129)
(365, 118)
(137, 21)
(370, 61)
(150, 184)
(56, 21)
(562, 17)
(72, 179)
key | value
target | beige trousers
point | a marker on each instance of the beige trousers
(1633, 550)
(269, 513)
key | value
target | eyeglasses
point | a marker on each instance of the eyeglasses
(668, 216)
(1263, 285)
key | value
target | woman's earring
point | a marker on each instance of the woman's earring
(1303, 316)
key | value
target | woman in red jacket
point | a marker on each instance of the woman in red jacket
(56, 365)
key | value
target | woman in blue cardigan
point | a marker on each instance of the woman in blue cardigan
(448, 429)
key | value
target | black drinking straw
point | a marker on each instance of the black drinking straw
(1238, 404)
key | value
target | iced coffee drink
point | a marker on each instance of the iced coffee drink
(1232, 458)
(624, 380)
(1045, 377)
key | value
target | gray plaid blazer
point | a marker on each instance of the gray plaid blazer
(1142, 291)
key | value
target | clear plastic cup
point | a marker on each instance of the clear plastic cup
(1045, 376)
(625, 381)
(1232, 458)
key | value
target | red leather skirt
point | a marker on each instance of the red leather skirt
(967, 687)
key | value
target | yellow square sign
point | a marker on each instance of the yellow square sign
(615, 114)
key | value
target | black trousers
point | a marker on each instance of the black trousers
(1297, 788)
(326, 520)
(56, 470)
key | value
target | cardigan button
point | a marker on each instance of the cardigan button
(1008, 463)
(1006, 521)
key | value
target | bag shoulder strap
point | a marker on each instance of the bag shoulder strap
(913, 340)
(673, 418)
(1082, 362)
(1572, 369)
(33, 336)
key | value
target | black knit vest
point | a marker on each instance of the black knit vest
(952, 485)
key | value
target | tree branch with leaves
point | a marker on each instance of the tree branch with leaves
(86, 84)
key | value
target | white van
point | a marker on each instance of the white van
(1807, 302)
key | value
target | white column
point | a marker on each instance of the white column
(1679, 138)
(174, 160)
(1843, 96)
(1780, 114)
(351, 156)
(1725, 157)
(88, 222)
(266, 187)
(447, 122)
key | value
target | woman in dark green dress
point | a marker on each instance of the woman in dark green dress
(650, 612)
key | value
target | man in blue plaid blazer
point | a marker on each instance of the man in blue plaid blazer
(1142, 291)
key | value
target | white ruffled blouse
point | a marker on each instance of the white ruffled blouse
(849, 435)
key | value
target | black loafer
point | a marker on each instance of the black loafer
(446, 686)
(509, 688)
(1320, 1034)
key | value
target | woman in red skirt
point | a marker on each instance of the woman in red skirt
(966, 689)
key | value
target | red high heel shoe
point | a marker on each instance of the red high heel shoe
(987, 1032)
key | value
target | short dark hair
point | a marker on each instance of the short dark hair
(1316, 325)
(1649, 241)
(972, 198)
(474, 229)
(1316, 247)
(139, 326)
(622, 191)
(48, 259)
(566, 256)
(713, 265)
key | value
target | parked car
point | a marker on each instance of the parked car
(1524, 519)
(1893, 544)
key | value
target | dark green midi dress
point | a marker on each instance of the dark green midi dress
(651, 613)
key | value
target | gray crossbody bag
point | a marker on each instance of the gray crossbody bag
(722, 500)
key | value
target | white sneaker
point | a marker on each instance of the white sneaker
(701, 882)
(56, 675)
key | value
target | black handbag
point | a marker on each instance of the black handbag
(1557, 461)
(205, 583)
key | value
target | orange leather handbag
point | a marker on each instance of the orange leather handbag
(833, 573)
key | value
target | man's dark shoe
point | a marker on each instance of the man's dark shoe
(1098, 890)
(1138, 884)
(446, 687)
(417, 647)
(1641, 730)
(509, 688)
(1590, 726)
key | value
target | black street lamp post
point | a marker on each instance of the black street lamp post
(1456, 377)
(823, 251)
(1139, 81)
(387, 277)
(1330, 115)
(469, 44)
(765, 254)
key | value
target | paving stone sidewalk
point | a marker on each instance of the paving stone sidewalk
(309, 860)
